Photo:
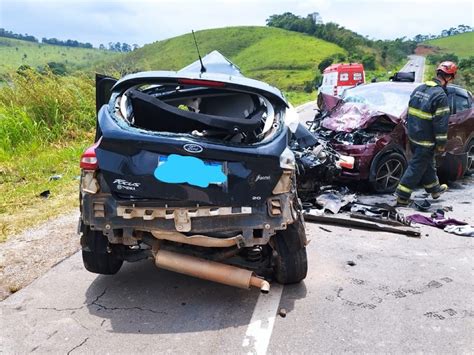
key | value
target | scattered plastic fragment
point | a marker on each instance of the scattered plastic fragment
(422, 205)
(55, 177)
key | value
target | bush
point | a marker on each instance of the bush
(44, 108)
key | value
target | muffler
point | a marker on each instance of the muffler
(209, 270)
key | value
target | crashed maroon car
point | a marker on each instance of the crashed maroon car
(368, 123)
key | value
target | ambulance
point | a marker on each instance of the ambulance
(341, 76)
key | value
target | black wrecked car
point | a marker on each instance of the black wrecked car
(194, 170)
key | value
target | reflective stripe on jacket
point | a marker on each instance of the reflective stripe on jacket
(428, 115)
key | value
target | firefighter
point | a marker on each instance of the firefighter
(427, 124)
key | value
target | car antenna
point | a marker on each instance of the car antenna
(203, 68)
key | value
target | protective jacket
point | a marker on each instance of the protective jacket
(428, 115)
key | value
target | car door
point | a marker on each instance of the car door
(461, 121)
(103, 90)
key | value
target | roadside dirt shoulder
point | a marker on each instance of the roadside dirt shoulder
(28, 255)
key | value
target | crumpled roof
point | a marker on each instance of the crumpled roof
(349, 116)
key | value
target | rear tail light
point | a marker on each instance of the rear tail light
(89, 159)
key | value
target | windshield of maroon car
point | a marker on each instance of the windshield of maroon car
(389, 98)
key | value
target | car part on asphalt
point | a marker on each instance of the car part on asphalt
(422, 205)
(343, 220)
(333, 200)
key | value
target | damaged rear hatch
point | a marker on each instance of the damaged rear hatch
(193, 137)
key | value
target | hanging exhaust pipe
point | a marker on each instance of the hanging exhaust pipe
(209, 270)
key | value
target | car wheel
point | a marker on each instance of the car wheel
(470, 158)
(389, 170)
(96, 255)
(291, 263)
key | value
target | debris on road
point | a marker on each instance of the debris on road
(342, 220)
(325, 229)
(467, 231)
(422, 205)
(333, 200)
(436, 219)
(55, 177)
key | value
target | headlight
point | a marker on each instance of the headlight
(346, 162)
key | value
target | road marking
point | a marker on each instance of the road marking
(260, 328)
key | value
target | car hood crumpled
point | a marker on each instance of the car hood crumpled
(347, 117)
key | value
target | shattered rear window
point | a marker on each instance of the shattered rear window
(392, 98)
(208, 112)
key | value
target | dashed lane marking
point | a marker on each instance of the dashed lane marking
(260, 328)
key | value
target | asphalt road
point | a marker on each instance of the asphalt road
(415, 63)
(402, 295)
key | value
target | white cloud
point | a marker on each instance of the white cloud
(145, 21)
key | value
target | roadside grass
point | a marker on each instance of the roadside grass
(462, 44)
(17, 52)
(27, 173)
(45, 123)
(297, 98)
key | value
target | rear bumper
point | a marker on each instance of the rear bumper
(256, 224)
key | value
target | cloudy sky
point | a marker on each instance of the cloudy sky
(145, 21)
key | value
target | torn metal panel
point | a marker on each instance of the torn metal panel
(341, 220)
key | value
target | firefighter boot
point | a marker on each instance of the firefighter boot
(441, 190)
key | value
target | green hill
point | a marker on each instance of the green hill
(14, 53)
(462, 44)
(282, 58)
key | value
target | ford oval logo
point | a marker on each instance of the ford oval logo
(193, 148)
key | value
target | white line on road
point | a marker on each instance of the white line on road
(260, 328)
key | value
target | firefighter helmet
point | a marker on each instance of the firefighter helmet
(448, 67)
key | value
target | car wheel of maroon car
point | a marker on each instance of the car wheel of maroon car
(388, 171)
(470, 158)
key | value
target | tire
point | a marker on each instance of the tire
(387, 172)
(470, 158)
(96, 255)
(291, 263)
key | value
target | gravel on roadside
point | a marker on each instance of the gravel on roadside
(30, 254)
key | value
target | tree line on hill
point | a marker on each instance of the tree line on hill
(114, 47)
(390, 51)
(444, 33)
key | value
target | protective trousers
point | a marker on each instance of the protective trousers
(421, 170)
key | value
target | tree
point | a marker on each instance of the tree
(325, 63)
(57, 68)
(369, 62)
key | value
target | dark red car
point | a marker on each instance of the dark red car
(368, 123)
